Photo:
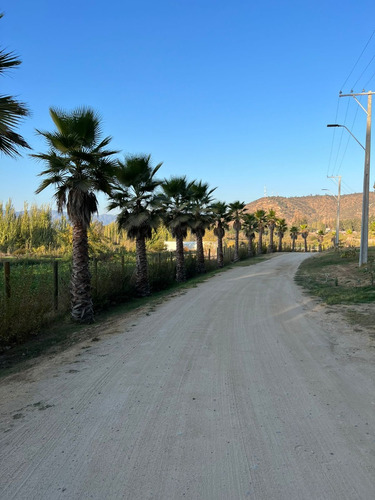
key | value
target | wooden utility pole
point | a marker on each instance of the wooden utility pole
(366, 177)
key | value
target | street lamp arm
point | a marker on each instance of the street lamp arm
(343, 126)
(330, 193)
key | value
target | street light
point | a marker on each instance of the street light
(346, 128)
(338, 213)
(363, 250)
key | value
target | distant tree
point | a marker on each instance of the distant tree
(201, 217)
(271, 220)
(294, 232)
(260, 216)
(236, 210)
(11, 111)
(281, 228)
(304, 234)
(221, 217)
(133, 193)
(320, 236)
(250, 226)
(78, 165)
(176, 203)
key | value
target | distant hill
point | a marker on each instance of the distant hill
(103, 218)
(315, 210)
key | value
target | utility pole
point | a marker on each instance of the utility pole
(366, 177)
(338, 207)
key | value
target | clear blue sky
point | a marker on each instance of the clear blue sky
(236, 93)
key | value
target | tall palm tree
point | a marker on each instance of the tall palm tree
(260, 216)
(220, 217)
(11, 111)
(201, 217)
(320, 236)
(294, 232)
(304, 234)
(250, 225)
(78, 165)
(176, 203)
(236, 210)
(281, 228)
(271, 220)
(133, 192)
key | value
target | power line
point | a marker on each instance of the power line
(341, 136)
(365, 47)
(349, 137)
(360, 76)
(369, 80)
(333, 137)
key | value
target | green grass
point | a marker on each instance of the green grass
(336, 278)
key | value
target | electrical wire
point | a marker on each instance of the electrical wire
(365, 86)
(333, 137)
(349, 137)
(341, 137)
(363, 72)
(369, 40)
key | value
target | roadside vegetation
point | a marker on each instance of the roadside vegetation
(336, 278)
(59, 335)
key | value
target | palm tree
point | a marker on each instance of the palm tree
(281, 228)
(176, 202)
(250, 225)
(294, 232)
(220, 217)
(133, 192)
(78, 166)
(260, 216)
(271, 223)
(236, 210)
(201, 217)
(304, 234)
(11, 111)
(320, 236)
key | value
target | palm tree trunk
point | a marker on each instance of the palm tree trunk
(250, 246)
(260, 241)
(200, 253)
(305, 243)
(270, 246)
(81, 301)
(142, 283)
(180, 260)
(293, 244)
(280, 243)
(220, 253)
(236, 241)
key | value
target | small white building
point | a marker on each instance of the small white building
(171, 245)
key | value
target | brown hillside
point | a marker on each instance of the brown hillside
(315, 210)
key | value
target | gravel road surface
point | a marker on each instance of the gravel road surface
(242, 387)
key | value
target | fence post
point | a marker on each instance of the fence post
(7, 279)
(55, 285)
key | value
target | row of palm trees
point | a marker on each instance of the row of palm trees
(258, 222)
(79, 165)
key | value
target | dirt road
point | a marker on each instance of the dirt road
(240, 388)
